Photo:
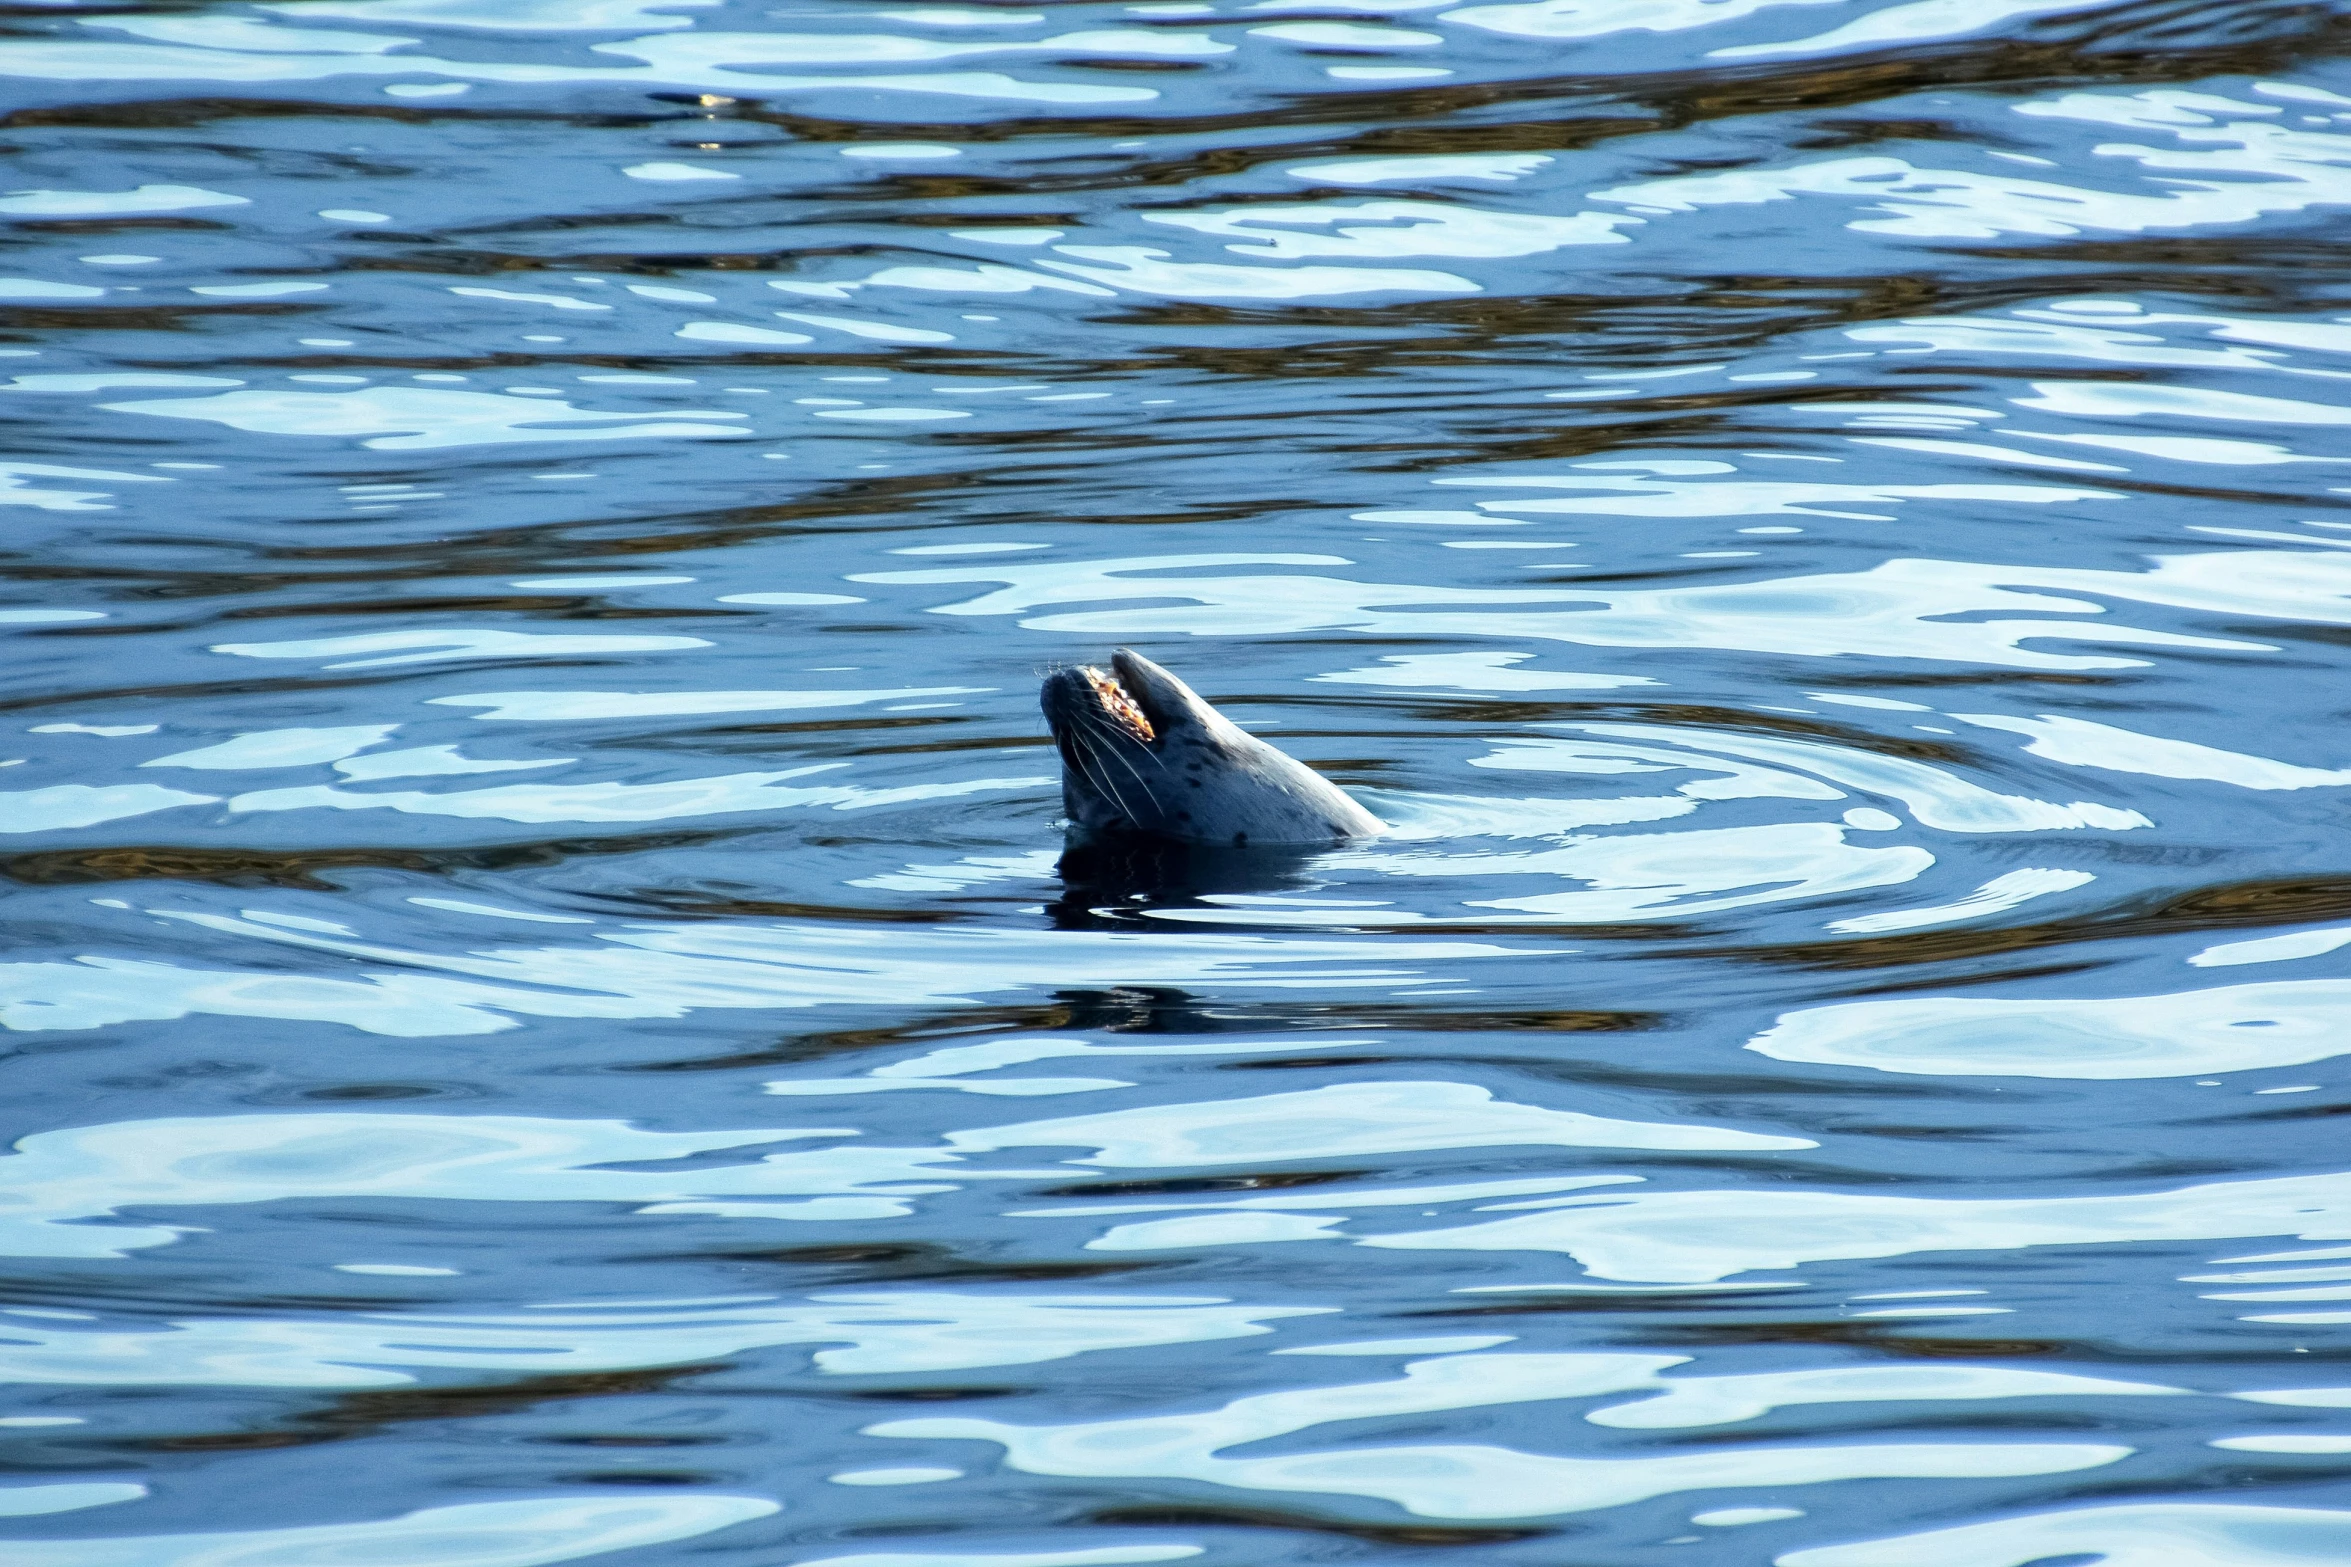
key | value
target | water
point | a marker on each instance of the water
(546, 1021)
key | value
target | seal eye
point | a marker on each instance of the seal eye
(1120, 707)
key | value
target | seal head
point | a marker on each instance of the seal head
(1141, 753)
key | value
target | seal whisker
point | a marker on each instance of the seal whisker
(1096, 774)
(1104, 753)
(1073, 754)
(1119, 753)
(1110, 783)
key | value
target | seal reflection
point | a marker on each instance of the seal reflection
(1111, 877)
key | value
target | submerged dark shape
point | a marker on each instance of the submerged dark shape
(1141, 753)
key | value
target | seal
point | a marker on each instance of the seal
(1140, 752)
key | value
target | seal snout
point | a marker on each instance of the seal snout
(1119, 705)
(1061, 695)
(1110, 765)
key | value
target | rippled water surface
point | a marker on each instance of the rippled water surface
(547, 1018)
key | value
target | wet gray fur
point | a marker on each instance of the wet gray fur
(1200, 779)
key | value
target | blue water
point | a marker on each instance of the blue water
(546, 1017)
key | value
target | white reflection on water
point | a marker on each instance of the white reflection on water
(1916, 22)
(432, 761)
(1935, 797)
(2129, 399)
(99, 380)
(269, 291)
(2274, 949)
(1475, 670)
(1347, 35)
(1345, 1120)
(63, 1178)
(237, 49)
(2081, 743)
(36, 288)
(424, 646)
(1689, 1237)
(1438, 1345)
(84, 805)
(2010, 889)
(2235, 1028)
(1147, 271)
(877, 331)
(1103, 1556)
(736, 332)
(2142, 1534)
(559, 301)
(986, 278)
(24, 1501)
(949, 1068)
(553, 706)
(14, 491)
(1630, 875)
(1714, 1401)
(666, 971)
(869, 1332)
(1901, 608)
(244, 32)
(716, 795)
(1598, 18)
(1420, 818)
(1376, 230)
(113, 203)
(2283, 1285)
(507, 16)
(267, 748)
(1676, 497)
(2116, 329)
(1464, 1480)
(2302, 1397)
(60, 1179)
(416, 418)
(1984, 449)
(2184, 448)
(1255, 1221)
(972, 870)
(913, 1474)
(2293, 170)
(521, 1533)
(1503, 166)
(2070, 330)
(2285, 1442)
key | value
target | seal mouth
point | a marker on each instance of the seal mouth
(1118, 704)
(1081, 700)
